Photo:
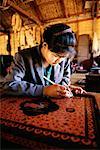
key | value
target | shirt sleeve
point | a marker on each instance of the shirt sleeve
(67, 73)
(14, 80)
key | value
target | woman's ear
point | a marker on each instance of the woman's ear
(44, 44)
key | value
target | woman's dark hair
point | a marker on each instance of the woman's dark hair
(59, 38)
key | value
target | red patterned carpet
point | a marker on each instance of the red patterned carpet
(58, 122)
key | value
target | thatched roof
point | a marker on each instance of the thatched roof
(47, 11)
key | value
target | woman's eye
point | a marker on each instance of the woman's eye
(55, 56)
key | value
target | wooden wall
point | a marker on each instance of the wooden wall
(86, 27)
(3, 44)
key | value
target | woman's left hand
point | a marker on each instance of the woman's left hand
(77, 89)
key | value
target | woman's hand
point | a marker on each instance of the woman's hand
(56, 90)
(77, 89)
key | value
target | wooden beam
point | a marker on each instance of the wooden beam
(74, 14)
(33, 5)
(98, 7)
(93, 4)
(36, 8)
(80, 20)
(79, 13)
(75, 8)
(64, 20)
(75, 3)
(94, 8)
(63, 8)
(33, 18)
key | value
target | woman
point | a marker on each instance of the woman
(51, 59)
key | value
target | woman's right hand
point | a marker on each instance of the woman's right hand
(55, 90)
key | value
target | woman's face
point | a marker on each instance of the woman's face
(53, 58)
